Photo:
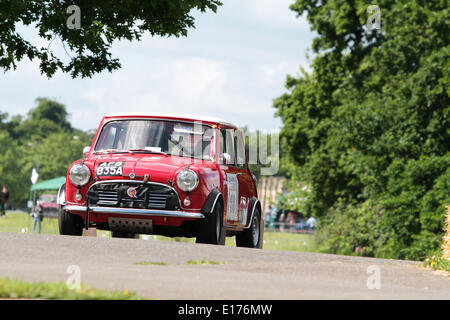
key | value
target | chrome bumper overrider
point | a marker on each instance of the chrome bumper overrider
(133, 211)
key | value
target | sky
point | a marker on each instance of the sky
(231, 66)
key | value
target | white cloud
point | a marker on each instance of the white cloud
(273, 74)
(193, 79)
(182, 85)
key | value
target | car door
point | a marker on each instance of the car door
(229, 172)
(245, 180)
(235, 176)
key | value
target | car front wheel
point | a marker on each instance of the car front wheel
(69, 224)
(211, 229)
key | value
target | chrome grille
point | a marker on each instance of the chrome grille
(115, 193)
(106, 197)
(110, 198)
(156, 200)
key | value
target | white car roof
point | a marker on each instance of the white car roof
(173, 115)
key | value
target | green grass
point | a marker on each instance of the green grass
(15, 289)
(272, 241)
(17, 222)
(21, 222)
(286, 241)
(199, 262)
(151, 263)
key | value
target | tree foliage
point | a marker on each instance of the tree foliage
(89, 44)
(44, 140)
(368, 128)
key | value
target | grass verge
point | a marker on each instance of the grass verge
(22, 222)
(272, 241)
(436, 262)
(15, 289)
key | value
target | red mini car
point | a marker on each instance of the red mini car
(166, 174)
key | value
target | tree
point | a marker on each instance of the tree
(87, 29)
(368, 129)
(58, 151)
(44, 136)
(10, 170)
(50, 110)
(46, 118)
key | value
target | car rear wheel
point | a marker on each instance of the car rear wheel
(251, 237)
(69, 224)
(211, 229)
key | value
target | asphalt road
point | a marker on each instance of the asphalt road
(110, 264)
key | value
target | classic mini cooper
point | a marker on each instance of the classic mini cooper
(166, 174)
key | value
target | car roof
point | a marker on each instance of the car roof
(178, 116)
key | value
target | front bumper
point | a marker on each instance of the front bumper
(138, 212)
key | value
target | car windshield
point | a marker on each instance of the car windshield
(182, 139)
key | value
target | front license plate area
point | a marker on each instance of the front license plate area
(137, 226)
(110, 169)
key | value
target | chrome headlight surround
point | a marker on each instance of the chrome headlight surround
(79, 175)
(187, 180)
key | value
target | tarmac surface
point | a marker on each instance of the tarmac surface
(114, 264)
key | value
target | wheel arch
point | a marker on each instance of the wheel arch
(253, 205)
(61, 198)
(214, 196)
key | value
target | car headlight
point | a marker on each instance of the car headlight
(187, 180)
(79, 175)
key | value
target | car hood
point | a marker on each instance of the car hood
(160, 168)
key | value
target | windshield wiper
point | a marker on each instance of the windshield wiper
(112, 151)
(106, 151)
(146, 151)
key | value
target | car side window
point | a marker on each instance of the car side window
(227, 145)
(240, 149)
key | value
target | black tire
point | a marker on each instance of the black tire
(125, 235)
(69, 224)
(253, 236)
(211, 230)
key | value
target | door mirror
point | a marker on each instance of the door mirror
(86, 150)
(226, 158)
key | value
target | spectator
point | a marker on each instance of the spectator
(311, 223)
(301, 225)
(38, 217)
(282, 221)
(4, 200)
(291, 219)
